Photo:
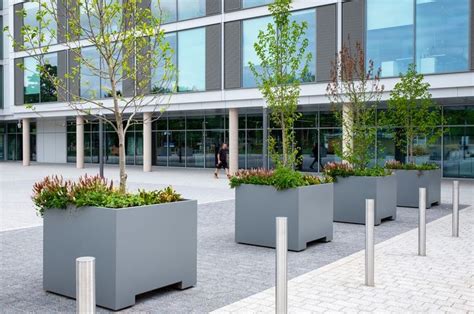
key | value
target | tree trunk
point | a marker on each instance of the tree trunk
(284, 140)
(122, 161)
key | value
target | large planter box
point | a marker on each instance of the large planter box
(309, 211)
(350, 194)
(137, 249)
(409, 182)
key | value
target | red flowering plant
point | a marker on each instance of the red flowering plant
(394, 164)
(51, 192)
(339, 169)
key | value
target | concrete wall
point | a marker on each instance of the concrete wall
(51, 140)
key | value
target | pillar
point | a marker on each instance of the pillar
(79, 142)
(25, 126)
(233, 140)
(147, 121)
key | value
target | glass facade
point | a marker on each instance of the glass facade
(255, 3)
(165, 10)
(38, 88)
(158, 84)
(250, 32)
(48, 29)
(442, 36)
(11, 141)
(188, 9)
(192, 60)
(432, 34)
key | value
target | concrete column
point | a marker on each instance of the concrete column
(25, 127)
(347, 140)
(233, 140)
(79, 142)
(147, 119)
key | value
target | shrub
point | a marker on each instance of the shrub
(55, 192)
(394, 164)
(336, 169)
(282, 178)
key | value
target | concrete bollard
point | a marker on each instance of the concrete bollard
(281, 285)
(85, 285)
(369, 242)
(422, 223)
(455, 208)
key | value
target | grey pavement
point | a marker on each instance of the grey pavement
(227, 272)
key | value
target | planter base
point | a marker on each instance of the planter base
(409, 182)
(137, 249)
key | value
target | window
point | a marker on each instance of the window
(188, 9)
(255, 3)
(37, 86)
(390, 35)
(442, 36)
(250, 32)
(158, 84)
(192, 60)
(164, 9)
(49, 27)
(93, 85)
(88, 19)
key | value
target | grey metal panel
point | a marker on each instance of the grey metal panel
(232, 55)
(62, 19)
(353, 22)
(73, 82)
(213, 7)
(232, 5)
(213, 57)
(142, 73)
(17, 25)
(19, 82)
(128, 82)
(326, 41)
(62, 70)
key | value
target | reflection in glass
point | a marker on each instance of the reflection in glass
(188, 9)
(390, 35)
(254, 148)
(164, 9)
(48, 89)
(176, 149)
(195, 149)
(159, 82)
(31, 81)
(31, 10)
(459, 115)
(192, 60)
(214, 140)
(242, 150)
(111, 148)
(307, 141)
(330, 143)
(71, 147)
(161, 148)
(442, 36)
(90, 81)
(255, 3)
(459, 152)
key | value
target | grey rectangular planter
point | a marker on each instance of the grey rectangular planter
(409, 182)
(137, 249)
(350, 194)
(309, 210)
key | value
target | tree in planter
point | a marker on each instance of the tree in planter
(354, 92)
(132, 50)
(284, 61)
(412, 113)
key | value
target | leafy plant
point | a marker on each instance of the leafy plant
(55, 192)
(282, 178)
(284, 61)
(335, 170)
(354, 92)
(396, 165)
(411, 109)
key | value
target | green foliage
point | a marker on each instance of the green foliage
(55, 192)
(334, 170)
(281, 49)
(394, 164)
(282, 178)
(411, 109)
(355, 92)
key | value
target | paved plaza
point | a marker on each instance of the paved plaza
(230, 272)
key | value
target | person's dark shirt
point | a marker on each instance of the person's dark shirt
(222, 155)
(315, 150)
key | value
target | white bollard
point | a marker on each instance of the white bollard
(455, 208)
(422, 223)
(369, 242)
(281, 266)
(85, 285)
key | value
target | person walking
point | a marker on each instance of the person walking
(315, 152)
(222, 161)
